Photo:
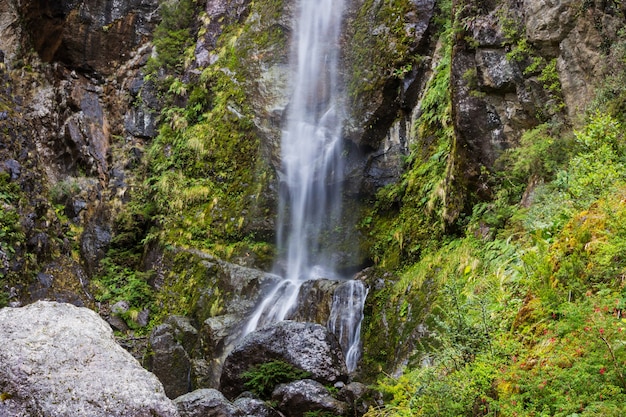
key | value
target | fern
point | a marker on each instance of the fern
(263, 378)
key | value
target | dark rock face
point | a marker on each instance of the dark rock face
(169, 360)
(60, 360)
(85, 133)
(299, 397)
(374, 111)
(90, 35)
(95, 241)
(315, 301)
(359, 397)
(306, 346)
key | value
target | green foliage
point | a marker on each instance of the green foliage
(11, 234)
(399, 237)
(319, 413)
(204, 174)
(524, 313)
(117, 283)
(62, 191)
(172, 35)
(369, 55)
(263, 378)
(598, 167)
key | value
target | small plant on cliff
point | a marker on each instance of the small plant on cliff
(263, 378)
(11, 233)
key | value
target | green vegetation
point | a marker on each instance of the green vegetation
(263, 378)
(204, 181)
(527, 317)
(204, 174)
(369, 55)
(524, 310)
(517, 301)
(11, 234)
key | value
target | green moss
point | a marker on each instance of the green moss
(205, 174)
(372, 59)
(190, 278)
(411, 216)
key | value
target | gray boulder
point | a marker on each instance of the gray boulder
(206, 403)
(59, 360)
(169, 361)
(307, 346)
(254, 407)
(299, 397)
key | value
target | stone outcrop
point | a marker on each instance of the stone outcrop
(61, 360)
(211, 403)
(169, 360)
(206, 403)
(306, 346)
(306, 395)
(89, 35)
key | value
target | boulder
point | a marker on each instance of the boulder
(254, 407)
(307, 346)
(299, 397)
(61, 360)
(206, 403)
(169, 360)
(212, 403)
(315, 301)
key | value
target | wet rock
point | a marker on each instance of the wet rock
(60, 360)
(315, 301)
(184, 332)
(11, 166)
(299, 397)
(374, 111)
(582, 59)
(548, 22)
(85, 133)
(141, 122)
(94, 242)
(359, 397)
(10, 30)
(206, 403)
(169, 360)
(307, 346)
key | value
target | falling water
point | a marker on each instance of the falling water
(312, 170)
(345, 319)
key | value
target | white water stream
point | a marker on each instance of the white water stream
(312, 168)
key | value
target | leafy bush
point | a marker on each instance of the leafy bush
(263, 378)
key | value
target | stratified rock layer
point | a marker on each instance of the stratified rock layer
(60, 360)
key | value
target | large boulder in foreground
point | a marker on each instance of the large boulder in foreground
(306, 346)
(59, 360)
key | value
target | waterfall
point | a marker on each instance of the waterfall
(345, 319)
(312, 168)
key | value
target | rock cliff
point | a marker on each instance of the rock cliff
(134, 132)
